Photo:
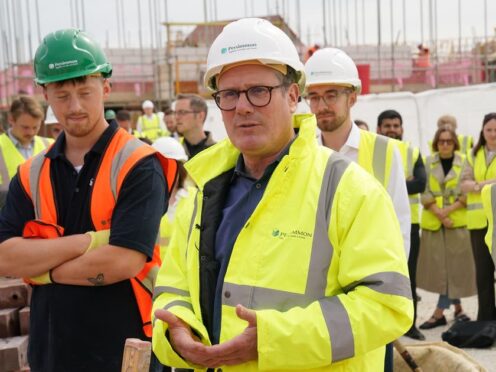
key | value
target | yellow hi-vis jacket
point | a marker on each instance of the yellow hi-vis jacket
(410, 155)
(11, 158)
(151, 128)
(489, 201)
(476, 219)
(330, 288)
(444, 191)
(381, 148)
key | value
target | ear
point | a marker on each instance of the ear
(293, 94)
(353, 99)
(45, 93)
(106, 89)
(10, 119)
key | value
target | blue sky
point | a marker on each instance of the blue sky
(353, 20)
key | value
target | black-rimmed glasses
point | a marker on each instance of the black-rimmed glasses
(258, 96)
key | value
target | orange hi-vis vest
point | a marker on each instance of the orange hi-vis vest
(123, 152)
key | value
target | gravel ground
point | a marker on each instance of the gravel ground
(425, 308)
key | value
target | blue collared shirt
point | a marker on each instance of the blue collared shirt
(244, 194)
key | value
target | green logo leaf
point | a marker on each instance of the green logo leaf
(223, 50)
(275, 232)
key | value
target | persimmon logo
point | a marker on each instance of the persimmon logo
(294, 234)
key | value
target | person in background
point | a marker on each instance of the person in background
(361, 124)
(149, 124)
(191, 113)
(123, 118)
(52, 124)
(390, 124)
(21, 141)
(446, 263)
(252, 283)
(466, 142)
(170, 123)
(109, 115)
(480, 170)
(171, 148)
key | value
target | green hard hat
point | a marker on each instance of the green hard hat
(68, 54)
(109, 115)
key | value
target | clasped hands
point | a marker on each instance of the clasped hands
(240, 349)
(443, 215)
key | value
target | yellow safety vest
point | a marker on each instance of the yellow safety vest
(11, 158)
(167, 225)
(410, 155)
(476, 218)
(444, 190)
(489, 201)
(466, 144)
(151, 127)
(323, 275)
(375, 155)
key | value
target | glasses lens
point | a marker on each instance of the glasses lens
(226, 99)
(259, 96)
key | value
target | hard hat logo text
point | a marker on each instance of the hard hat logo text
(63, 64)
(239, 47)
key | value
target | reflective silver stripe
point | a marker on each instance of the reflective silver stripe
(179, 303)
(474, 206)
(119, 160)
(322, 249)
(4, 173)
(464, 144)
(414, 201)
(493, 209)
(391, 283)
(339, 328)
(379, 159)
(149, 281)
(165, 289)
(195, 208)
(259, 298)
(409, 162)
(174, 303)
(34, 178)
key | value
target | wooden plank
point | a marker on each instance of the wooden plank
(137, 355)
(9, 322)
(24, 314)
(13, 293)
(13, 353)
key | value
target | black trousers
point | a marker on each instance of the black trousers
(412, 264)
(484, 271)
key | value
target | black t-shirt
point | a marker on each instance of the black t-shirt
(77, 328)
(447, 164)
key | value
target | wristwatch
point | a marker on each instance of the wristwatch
(477, 187)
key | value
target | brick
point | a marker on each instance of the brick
(13, 353)
(24, 320)
(9, 323)
(136, 356)
(13, 293)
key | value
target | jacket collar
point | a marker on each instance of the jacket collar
(223, 156)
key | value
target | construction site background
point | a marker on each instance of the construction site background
(159, 74)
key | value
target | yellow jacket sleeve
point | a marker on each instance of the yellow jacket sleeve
(172, 290)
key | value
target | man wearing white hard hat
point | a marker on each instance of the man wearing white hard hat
(52, 123)
(282, 263)
(150, 125)
(332, 88)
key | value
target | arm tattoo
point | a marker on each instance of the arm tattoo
(98, 281)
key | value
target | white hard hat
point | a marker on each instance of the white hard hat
(332, 66)
(50, 117)
(170, 148)
(252, 39)
(147, 104)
